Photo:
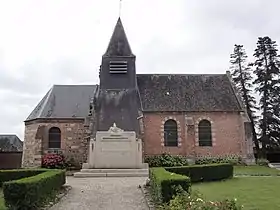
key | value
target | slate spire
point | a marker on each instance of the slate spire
(118, 45)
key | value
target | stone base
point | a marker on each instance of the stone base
(88, 166)
(144, 172)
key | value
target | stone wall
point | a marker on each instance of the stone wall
(74, 141)
(228, 134)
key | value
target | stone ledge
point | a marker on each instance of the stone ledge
(112, 170)
(119, 174)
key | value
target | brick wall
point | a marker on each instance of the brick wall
(228, 134)
(73, 140)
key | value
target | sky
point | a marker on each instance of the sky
(43, 43)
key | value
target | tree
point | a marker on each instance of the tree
(267, 81)
(242, 77)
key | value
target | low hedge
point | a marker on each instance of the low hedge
(32, 192)
(166, 160)
(14, 174)
(231, 159)
(200, 173)
(164, 184)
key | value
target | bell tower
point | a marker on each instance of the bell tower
(118, 97)
(118, 63)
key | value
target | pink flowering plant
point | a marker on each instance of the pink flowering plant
(53, 161)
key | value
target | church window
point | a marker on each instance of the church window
(118, 67)
(54, 138)
(204, 133)
(170, 133)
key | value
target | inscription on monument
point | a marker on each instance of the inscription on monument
(115, 148)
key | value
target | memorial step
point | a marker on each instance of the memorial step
(115, 170)
(112, 173)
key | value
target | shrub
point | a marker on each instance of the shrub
(200, 173)
(72, 164)
(164, 184)
(53, 161)
(193, 202)
(166, 160)
(235, 160)
(262, 162)
(31, 192)
(8, 175)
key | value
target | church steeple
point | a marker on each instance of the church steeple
(118, 97)
(119, 45)
(118, 63)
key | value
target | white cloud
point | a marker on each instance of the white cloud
(61, 42)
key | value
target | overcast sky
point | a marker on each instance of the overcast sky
(61, 42)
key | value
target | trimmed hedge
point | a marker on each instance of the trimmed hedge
(14, 174)
(201, 173)
(164, 184)
(32, 192)
(231, 159)
(166, 160)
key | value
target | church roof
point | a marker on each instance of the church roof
(119, 45)
(64, 101)
(9, 143)
(158, 92)
(185, 92)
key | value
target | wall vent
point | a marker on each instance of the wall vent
(118, 67)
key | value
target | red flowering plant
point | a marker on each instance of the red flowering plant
(53, 161)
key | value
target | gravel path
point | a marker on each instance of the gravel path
(103, 194)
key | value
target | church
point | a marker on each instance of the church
(192, 115)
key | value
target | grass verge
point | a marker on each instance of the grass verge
(255, 193)
(2, 201)
(256, 171)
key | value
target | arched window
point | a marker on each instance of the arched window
(54, 138)
(170, 133)
(204, 133)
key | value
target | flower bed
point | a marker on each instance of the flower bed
(185, 201)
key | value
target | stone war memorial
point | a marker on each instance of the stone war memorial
(114, 153)
(108, 128)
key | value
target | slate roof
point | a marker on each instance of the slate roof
(185, 92)
(10, 143)
(64, 101)
(174, 92)
(118, 45)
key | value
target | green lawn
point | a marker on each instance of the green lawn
(256, 170)
(2, 203)
(255, 193)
